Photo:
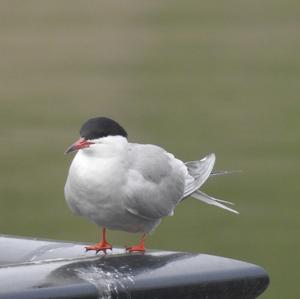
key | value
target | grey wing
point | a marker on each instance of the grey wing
(156, 182)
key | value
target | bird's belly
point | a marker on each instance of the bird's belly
(96, 200)
(110, 212)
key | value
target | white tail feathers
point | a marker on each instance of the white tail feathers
(199, 172)
(213, 201)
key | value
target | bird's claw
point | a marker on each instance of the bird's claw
(137, 248)
(99, 247)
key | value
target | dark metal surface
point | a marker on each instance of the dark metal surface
(49, 269)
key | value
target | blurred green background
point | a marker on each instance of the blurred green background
(192, 76)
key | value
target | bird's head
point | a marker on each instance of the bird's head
(96, 131)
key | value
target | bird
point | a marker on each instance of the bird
(131, 187)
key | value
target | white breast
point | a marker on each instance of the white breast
(92, 184)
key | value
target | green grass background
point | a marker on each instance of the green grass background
(192, 76)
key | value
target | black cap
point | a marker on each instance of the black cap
(98, 127)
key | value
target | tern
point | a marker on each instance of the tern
(127, 186)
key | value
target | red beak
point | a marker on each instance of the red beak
(79, 144)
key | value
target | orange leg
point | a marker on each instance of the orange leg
(140, 247)
(103, 245)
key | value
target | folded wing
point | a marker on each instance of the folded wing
(156, 182)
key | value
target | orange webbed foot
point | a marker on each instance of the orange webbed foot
(103, 245)
(138, 248)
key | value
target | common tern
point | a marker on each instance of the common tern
(129, 186)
